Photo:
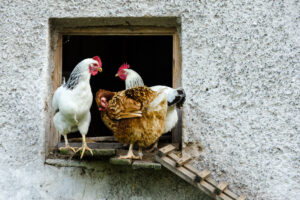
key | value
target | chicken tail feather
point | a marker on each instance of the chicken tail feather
(154, 104)
(177, 97)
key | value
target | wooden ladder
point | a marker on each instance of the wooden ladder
(200, 179)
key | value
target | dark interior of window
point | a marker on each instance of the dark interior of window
(150, 56)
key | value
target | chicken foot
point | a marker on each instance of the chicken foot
(154, 147)
(67, 145)
(130, 154)
(84, 147)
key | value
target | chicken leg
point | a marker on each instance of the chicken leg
(130, 154)
(153, 148)
(140, 153)
(84, 147)
(67, 146)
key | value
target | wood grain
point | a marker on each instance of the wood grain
(121, 30)
(183, 160)
(176, 68)
(165, 150)
(54, 137)
(221, 187)
(102, 145)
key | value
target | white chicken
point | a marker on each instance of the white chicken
(72, 102)
(176, 97)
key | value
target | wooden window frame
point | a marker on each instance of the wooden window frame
(56, 44)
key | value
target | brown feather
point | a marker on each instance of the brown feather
(128, 115)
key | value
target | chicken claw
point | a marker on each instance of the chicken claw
(67, 147)
(83, 148)
(130, 154)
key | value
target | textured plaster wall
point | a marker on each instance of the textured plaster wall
(241, 66)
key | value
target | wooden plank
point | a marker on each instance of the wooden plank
(178, 160)
(177, 71)
(183, 160)
(211, 181)
(95, 139)
(242, 197)
(96, 153)
(202, 175)
(176, 68)
(165, 150)
(226, 191)
(177, 130)
(119, 161)
(191, 168)
(223, 196)
(123, 30)
(102, 145)
(56, 45)
(186, 172)
(108, 139)
(229, 193)
(207, 186)
(221, 187)
(181, 171)
(203, 180)
(173, 156)
(199, 175)
(163, 144)
(138, 164)
(185, 175)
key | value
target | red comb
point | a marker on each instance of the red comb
(124, 66)
(98, 60)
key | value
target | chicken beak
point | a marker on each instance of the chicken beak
(100, 69)
(117, 75)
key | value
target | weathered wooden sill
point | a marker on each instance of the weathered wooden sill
(58, 162)
(104, 152)
(167, 156)
(97, 164)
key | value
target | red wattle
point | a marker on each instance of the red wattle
(93, 72)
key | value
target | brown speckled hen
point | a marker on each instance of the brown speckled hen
(136, 115)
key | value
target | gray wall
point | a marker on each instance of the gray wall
(240, 62)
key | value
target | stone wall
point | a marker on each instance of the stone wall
(240, 70)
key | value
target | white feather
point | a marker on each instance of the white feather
(172, 116)
(72, 106)
(133, 79)
(170, 92)
(154, 105)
